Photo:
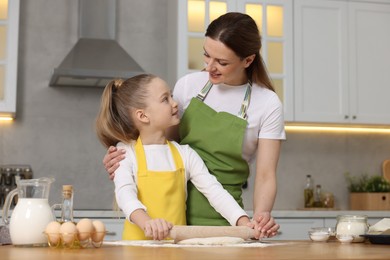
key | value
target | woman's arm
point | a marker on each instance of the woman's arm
(265, 185)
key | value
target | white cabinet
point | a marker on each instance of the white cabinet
(9, 28)
(295, 228)
(114, 228)
(274, 19)
(342, 62)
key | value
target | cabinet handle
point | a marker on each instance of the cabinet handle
(111, 233)
(353, 117)
(346, 117)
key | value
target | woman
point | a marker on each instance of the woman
(232, 118)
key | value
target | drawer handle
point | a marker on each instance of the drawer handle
(111, 233)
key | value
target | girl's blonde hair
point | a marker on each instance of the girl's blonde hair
(114, 123)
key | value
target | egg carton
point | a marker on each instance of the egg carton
(75, 240)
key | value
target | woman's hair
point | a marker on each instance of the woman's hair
(114, 123)
(239, 32)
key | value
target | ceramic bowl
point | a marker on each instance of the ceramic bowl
(320, 234)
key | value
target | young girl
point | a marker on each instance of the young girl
(151, 182)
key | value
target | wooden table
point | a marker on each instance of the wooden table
(296, 250)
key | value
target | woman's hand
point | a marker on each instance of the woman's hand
(158, 229)
(266, 224)
(111, 160)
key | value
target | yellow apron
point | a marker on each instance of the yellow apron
(162, 192)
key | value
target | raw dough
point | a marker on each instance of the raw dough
(212, 241)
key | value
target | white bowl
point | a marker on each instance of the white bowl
(321, 234)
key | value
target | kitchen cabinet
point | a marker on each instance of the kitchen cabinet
(9, 28)
(274, 19)
(295, 228)
(341, 61)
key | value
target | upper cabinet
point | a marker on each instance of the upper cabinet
(341, 62)
(274, 19)
(9, 28)
(328, 59)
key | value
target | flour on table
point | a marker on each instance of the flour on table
(170, 243)
(212, 241)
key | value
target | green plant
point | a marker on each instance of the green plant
(365, 183)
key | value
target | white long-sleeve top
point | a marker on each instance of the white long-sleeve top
(159, 158)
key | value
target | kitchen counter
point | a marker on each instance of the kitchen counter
(295, 250)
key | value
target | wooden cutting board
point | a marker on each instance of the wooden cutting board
(386, 170)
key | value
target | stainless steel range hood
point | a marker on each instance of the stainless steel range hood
(97, 57)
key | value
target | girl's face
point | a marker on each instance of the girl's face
(161, 109)
(223, 65)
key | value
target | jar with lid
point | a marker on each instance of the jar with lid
(353, 226)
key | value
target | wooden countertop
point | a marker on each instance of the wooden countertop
(295, 250)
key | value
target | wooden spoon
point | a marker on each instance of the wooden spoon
(386, 170)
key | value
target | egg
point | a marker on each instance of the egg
(99, 232)
(84, 229)
(52, 231)
(68, 233)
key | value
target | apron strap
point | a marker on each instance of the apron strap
(246, 102)
(205, 90)
(244, 105)
(176, 156)
(141, 159)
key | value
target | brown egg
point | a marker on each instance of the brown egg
(52, 231)
(68, 232)
(99, 232)
(84, 229)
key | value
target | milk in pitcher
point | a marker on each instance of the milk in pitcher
(29, 220)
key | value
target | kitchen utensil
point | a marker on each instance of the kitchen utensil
(32, 212)
(386, 170)
(179, 233)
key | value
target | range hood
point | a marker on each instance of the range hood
(97, 58)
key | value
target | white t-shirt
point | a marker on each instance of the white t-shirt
(265, 112)
(159, 158)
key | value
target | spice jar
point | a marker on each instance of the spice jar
(352, 226)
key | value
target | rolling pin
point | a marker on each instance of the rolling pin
(178, 233)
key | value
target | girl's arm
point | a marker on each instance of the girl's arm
(265, 186)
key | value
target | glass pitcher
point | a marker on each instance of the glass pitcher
(32, 212)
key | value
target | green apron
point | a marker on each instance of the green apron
(218, 138)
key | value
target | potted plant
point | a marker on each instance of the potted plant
(368, 192)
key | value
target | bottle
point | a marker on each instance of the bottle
(308, 192)
(318, 197)
(67, 204)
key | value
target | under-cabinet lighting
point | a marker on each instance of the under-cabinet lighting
(6, 118)
(337, 129)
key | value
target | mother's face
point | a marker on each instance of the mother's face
(223, 65)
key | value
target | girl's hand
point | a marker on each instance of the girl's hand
(158, 229)
(245, 221)
(111, 160)
(266, 224)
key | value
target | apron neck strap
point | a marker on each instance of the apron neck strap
(244, 105)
